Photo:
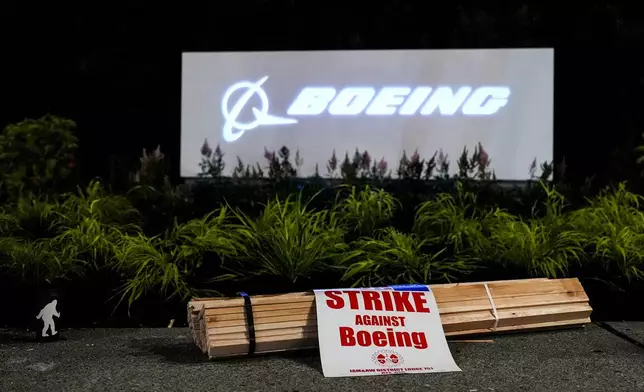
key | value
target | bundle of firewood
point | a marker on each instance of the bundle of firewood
(220, 326)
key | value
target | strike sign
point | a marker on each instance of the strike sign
(376, 331)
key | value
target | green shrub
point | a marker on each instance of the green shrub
(9, 223)
(393, 257)
(542, 246)
(36, 217)
(456, 221)
(290, 241)
(415, 231)
(89, 222)
(367, 210)
(96, 203)
(40, 261)
(36, 156)
(536, 247)
(613, 230)
(47, 241)
(165, 263)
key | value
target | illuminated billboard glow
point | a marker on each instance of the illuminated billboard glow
(381, 102)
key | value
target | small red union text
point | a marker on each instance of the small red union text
(349, 338)
(380, 321)
(399, 301)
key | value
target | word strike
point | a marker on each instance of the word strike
(398, 301)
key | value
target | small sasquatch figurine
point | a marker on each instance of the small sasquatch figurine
(47, 315)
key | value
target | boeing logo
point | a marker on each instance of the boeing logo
(261, 115)
(353, 101)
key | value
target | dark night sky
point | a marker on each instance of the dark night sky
(116, 69)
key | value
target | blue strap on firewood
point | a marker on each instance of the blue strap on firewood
(250, 321)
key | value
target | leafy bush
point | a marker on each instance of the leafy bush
(36, 156)
(458, 222)
(89, 222)
(35, 217)
(40, 261)
(537, 248)
(289, 240)
(266, 234)
(542, 246)
(393, 257)
(166, 263)
(154, 195)
(367, 210)
(613, 230)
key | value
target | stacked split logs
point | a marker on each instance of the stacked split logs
(289, 322)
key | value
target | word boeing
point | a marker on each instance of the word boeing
(353, 101)
(404, 101)
(400, 302)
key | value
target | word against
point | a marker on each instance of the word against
(404, 101)
(380, 331)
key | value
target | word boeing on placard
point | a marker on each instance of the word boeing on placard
(379, 301)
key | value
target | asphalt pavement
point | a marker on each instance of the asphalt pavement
(585, 359)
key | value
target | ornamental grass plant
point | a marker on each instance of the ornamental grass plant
(271, 231)
(352, 240)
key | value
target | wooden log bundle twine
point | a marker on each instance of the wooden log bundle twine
(220, 326)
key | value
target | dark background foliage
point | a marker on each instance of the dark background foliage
(116, 68)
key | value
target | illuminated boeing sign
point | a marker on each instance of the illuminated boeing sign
(353, 101)
(325, 105)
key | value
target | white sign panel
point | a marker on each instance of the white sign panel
(366, 332)
(382, 102)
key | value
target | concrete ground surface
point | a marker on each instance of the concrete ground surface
(585, 359)
(632, 330)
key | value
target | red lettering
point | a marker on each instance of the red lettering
(401, 299)
(335, 300)
(353, 299)
(386, 299)
(346, 337)
(403, 339)
(391, 338)
(379, 339)
(371, 300)
(420, 340)
(363, 338)
(380, 321)
(420, 301)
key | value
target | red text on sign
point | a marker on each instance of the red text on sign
(380, 321)
(399, 301)
(349, 338)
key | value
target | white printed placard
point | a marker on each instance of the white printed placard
(380, 331)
